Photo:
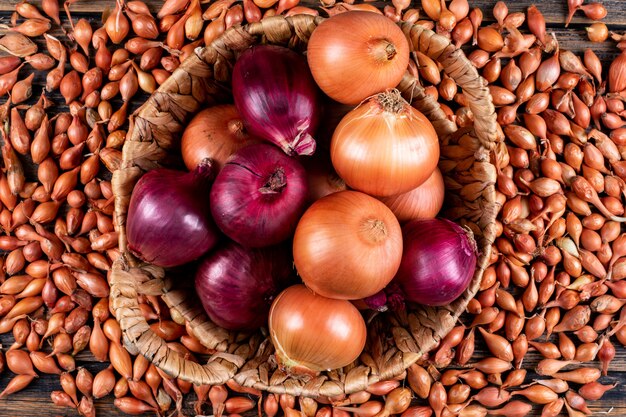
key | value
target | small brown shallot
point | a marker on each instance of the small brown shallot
(553, 409)
(580, 375)
(492, 396)
(419, 380)
(513, 409)
(437, 399)
(550, 367)
(116, 25)
(606, 354)
(593, 391)
(597, 32)
(538, 394)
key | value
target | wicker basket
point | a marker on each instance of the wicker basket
(395, 341)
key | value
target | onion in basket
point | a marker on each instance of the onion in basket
(215, 133)
(237, 285)
(384, 146)
(259, 195)
(356, 54)
(438, 262)
(277, 97)
(423, 202)
(347, 245)
(168, 224)
(312, 333)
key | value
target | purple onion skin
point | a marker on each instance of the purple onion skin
(169, 221)
(250, 202)
(237, 285)
(438, 261)
(277, 97)
(377, 302)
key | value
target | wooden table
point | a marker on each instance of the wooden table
(35, 400)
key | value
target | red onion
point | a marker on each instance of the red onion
(259, 195)
(377, 301)
(237, 285)
(438, 261)
(277, 98)
(169, 220)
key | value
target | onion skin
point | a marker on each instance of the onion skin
(370, 62)
(423, 202)
(215, 133)
(347, 246)
(277, 98)
(312, 333)
(237, 285)
(438, 261)
(385, 146)
(259, 195)
(168, 225)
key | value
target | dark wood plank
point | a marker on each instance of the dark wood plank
(573, 38)
(554, 11)
(34, 401)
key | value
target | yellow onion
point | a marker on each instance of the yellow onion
(312, 333)
(384, 146)
(347, 245)
(367, 46)
(423, 202)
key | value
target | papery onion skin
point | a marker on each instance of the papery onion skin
(423, 202)
(312, 333)
(376, 302)
(237, 285)
(216, 133)
(347, 246)
(356, 54)
(438, 262)
(169, 219)
(385, 146)
(259, 195)
(277, 98)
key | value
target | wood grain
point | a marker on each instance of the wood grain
(554, 11)
(35, 400)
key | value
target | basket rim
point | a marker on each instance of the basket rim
(128, 277)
